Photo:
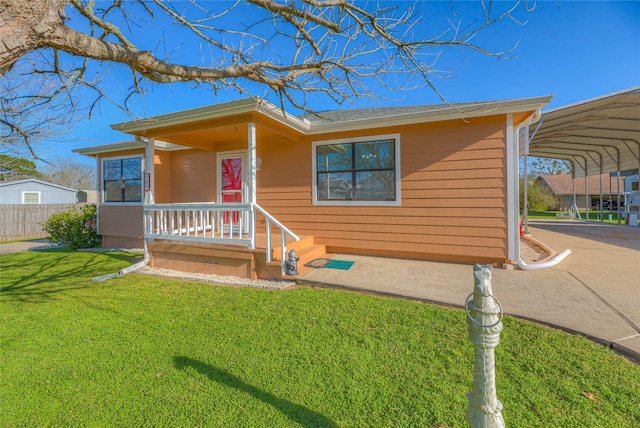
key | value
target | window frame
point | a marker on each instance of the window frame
(102, 173)
(34, 192)
(353, 140)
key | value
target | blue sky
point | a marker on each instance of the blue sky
(570, 49)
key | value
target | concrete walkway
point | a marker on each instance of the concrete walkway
(595, 291)
(18, 247)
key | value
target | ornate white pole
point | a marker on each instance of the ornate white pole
(484, 319)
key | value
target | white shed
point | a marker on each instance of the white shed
(33, 191)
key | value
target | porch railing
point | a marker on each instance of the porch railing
(215, 223)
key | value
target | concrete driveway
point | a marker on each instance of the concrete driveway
(595, 291)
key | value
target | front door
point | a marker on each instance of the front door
(231, 186)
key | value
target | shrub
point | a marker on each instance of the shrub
(74, 228)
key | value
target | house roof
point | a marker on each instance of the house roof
(597, 136)
(193, 127)
(355, 119)
(562, 184)
(8, 183)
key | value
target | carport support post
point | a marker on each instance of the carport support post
(601, 199)
(484, 321)
(587, 199)
(618, 199)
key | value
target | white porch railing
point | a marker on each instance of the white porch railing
(215, 223)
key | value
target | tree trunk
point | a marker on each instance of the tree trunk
(24, 27)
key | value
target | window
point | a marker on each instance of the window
(122, 180)
(30, 197)
(357, 171)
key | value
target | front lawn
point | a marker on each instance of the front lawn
(142, 351)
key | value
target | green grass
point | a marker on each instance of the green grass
(142, 351)
(593, 216)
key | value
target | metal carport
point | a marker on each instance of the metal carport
(596, 136)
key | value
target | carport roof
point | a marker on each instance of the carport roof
(600, 135)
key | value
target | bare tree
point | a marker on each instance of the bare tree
(339, 49)
(34, 108)
(68, 172)
(547, 166)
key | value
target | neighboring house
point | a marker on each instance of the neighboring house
(431, 183)
(562, 187)
(33, 191)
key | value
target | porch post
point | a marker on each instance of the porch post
(252, 146)
(149, 154)
(148, 182)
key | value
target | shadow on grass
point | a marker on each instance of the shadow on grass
(295, 412)
(37, 276)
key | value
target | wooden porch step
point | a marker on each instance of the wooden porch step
(306, 250)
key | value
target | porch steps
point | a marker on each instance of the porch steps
(306, 250)
(233, 260)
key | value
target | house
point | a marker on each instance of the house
(34, 191)
(563, 187)
(231, 188)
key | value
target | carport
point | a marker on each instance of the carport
(594, 137)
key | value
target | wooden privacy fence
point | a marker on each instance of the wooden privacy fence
(24, 221)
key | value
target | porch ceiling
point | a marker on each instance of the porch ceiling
(597, 136)
(207, 134)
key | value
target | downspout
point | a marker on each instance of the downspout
(535, 117)
(544, 265)
(148, 200)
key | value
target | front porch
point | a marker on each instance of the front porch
(240, 240)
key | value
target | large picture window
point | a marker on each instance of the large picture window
(357, 172)
(122, 180)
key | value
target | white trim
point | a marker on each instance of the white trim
(37, 192)
(101, 183)
(398, 176)
(246, 105)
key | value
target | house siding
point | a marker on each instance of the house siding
(453, 195)
(121, 225)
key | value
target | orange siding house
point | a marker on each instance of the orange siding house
(231, 188)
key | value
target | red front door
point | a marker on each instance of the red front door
(231, 183)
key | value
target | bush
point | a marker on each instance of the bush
(74, 228)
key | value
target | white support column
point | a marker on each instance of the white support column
(513, 236)
(149, 156)
(252, 182)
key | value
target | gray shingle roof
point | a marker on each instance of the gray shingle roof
(348, 114)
